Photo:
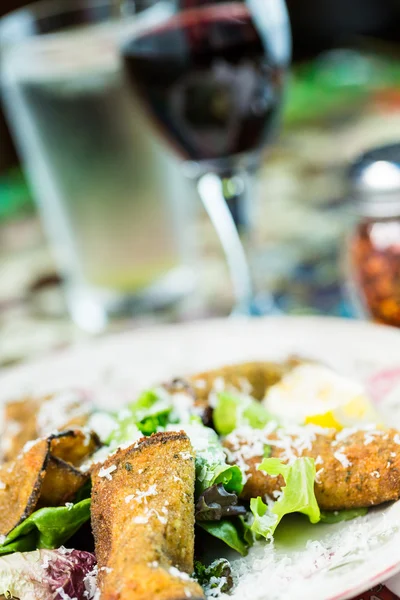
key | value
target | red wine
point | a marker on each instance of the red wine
(208, 78)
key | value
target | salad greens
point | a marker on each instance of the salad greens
(46, 574)
(336, 516)
(296, 496)
(47, 528)
(211, 465)
(229, 532)
(218, 484)
(216, 503)
(212, 468)
(218, 575)
(148, 414)
(232, 411)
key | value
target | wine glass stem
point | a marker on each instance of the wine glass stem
(225, 202)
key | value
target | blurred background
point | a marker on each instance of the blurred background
(342, 99)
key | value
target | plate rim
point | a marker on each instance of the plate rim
(97, 342)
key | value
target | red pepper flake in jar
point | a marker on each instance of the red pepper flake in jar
(373, 258)
(375, 268)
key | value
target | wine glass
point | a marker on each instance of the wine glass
(212, 76)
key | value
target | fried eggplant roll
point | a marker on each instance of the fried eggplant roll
(45, 473)
(143, 520)
(252, 378)
(30, 418)
(355, 469)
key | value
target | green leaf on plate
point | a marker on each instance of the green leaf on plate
(336, 516)
(232, 411)
(47, 528)
(229, 532)
(296, 496)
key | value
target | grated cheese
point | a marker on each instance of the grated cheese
(63, 595)
(147, 514)
(61, 408)
(28, 446)
(186, 455)
(246, 443)
(349, 431)
(64, 550)
(141, 495)
(102, 424)
(107, 472)
(214, 587)
(177, 573)
(46, 561)
(318, 475)
(219, 384)
(245, 386)
(141, 519)
(342, 458)
(200, 384)
(182, 406)
(90, 583)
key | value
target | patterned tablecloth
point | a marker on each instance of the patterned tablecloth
(380, 592)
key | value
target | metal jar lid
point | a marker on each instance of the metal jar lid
(375, 181)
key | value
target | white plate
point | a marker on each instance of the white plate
(322, 562)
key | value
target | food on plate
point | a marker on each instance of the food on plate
(43, 474)
(312, 393)
(21, 484)
(211, 460)
(29, 418)
(253, 378)
(143, 520)
(354, 468)
(45, 574)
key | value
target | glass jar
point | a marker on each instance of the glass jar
(373, 245)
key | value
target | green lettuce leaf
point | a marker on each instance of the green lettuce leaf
(25, 543)
(47, 528)
(228, 531)
(217, 575)
(246, 531)
(265, 521)
(336, 516)
(148, 414)
(211, 465)
(232, 411)
(297, 495)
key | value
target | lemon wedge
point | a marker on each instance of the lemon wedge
(315, 394)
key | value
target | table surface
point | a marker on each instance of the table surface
(301, 222)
